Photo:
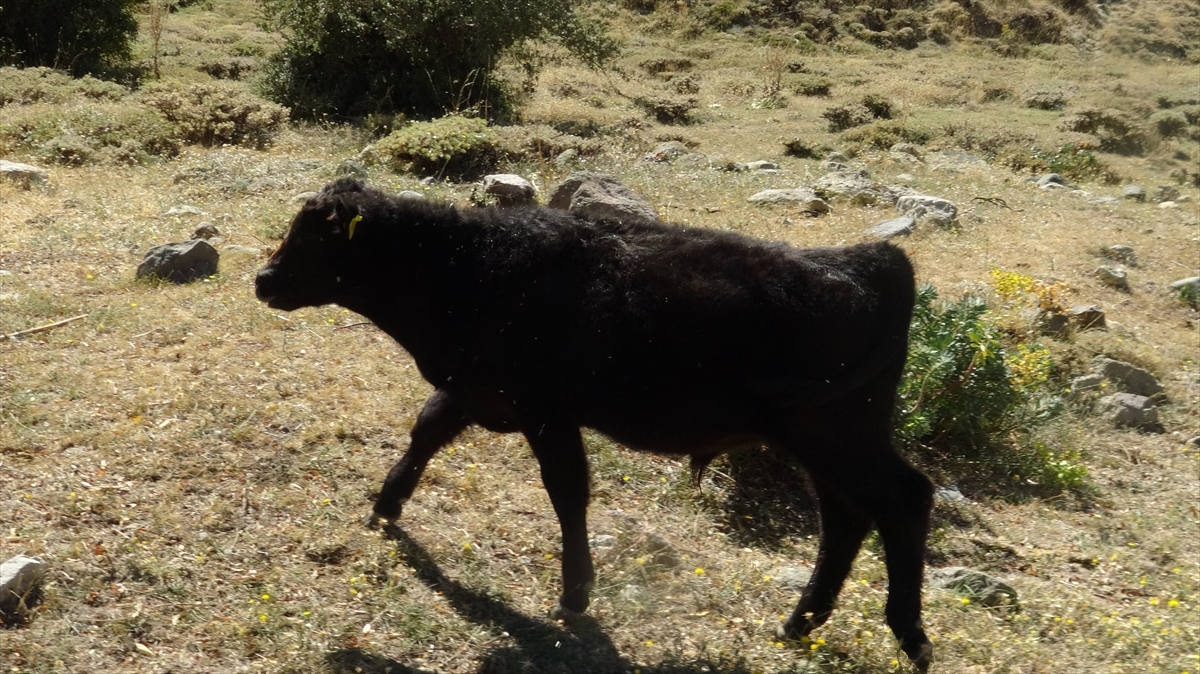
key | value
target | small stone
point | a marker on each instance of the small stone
(206, 230)
(1133, 193)
(934, 209)
(23, 174)
(976, 586)
(902, 226)
(761, 165)
(906, 177)
(906, 148)
(566, 158)
(950, 494)
(1113, 277)
(1104, 201)
(509, 189)
(1088, 317)
(665, 152)
(180, 262)
(410, 194)
(305, 196)
(601, 542)
(184, 210)
(19, 578)
(1051, 179)
(1052, 323)
(1129, 410)
(1167, 205)
(792, 578)
(808, 200)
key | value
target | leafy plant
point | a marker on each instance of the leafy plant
(355, 57)
(216, 113)
(968, 397)
(451, 146)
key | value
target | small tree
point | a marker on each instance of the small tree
(158, 18)
(79, 36)
(356, 57)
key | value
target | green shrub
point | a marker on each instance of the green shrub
(541, 142)
(356, 57)
(1116, 131)
(455, 146)
(216, 113)
(974, 402)
(883, 135)
(80, 36)
(842, 117)
(669, 109)
(1168, 123)
(89, 133)
(26, 86)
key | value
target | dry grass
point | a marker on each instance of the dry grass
(194, 466)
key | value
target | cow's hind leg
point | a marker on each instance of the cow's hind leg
(440, 421)
(842, 533)
(865, 480)
(559, 451)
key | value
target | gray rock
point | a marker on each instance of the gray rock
(802, 196)
(859, 187)
(602, 542)
(1105, 201)
(1129, 410)
(1133, 193)
(792, 578)
(1051, 179)
(242, 250)
(566, 158)
(1127, 377)
(1167, 205)
(1085, 384)
(1120, 253)
(761, 165)
(409, 194)
(599, 196)
(1113, 277)
(23, 174)
(950, 494)
(427, 181)
(906, 177)
(906, 148)
(184, 210)
(1166, 193)
(933, 209)
(1195, 442)
(206, 230)
(19, 578)
(665, 152)
(1188, 290)
(509, 189)
(902, 226)
(977, 586)
(351, 168)
(305, 196)
(1088, 317)
(180, 262)
(836, 157)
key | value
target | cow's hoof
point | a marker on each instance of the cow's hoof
(921, 655)
(789, 632)
(565, 614)
(374, 520)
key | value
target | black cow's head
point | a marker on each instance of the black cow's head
(316, 257)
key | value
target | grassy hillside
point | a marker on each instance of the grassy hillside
(194, 466)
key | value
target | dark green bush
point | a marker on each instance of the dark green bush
(91, 133)
(78, 36)
(884, 134)
(973, 403)
(351, 58)
(26, 86)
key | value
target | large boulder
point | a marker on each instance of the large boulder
(1130, 411)
(599, 196)
(802, 196)
(1127, 377)
(180, 262)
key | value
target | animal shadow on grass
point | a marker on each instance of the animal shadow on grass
(769, 501)
(540, 646)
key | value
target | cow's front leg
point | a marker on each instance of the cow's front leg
(439, 422)
(559, 451)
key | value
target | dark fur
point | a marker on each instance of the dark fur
(665, 338)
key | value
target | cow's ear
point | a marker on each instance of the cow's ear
(344, 219)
